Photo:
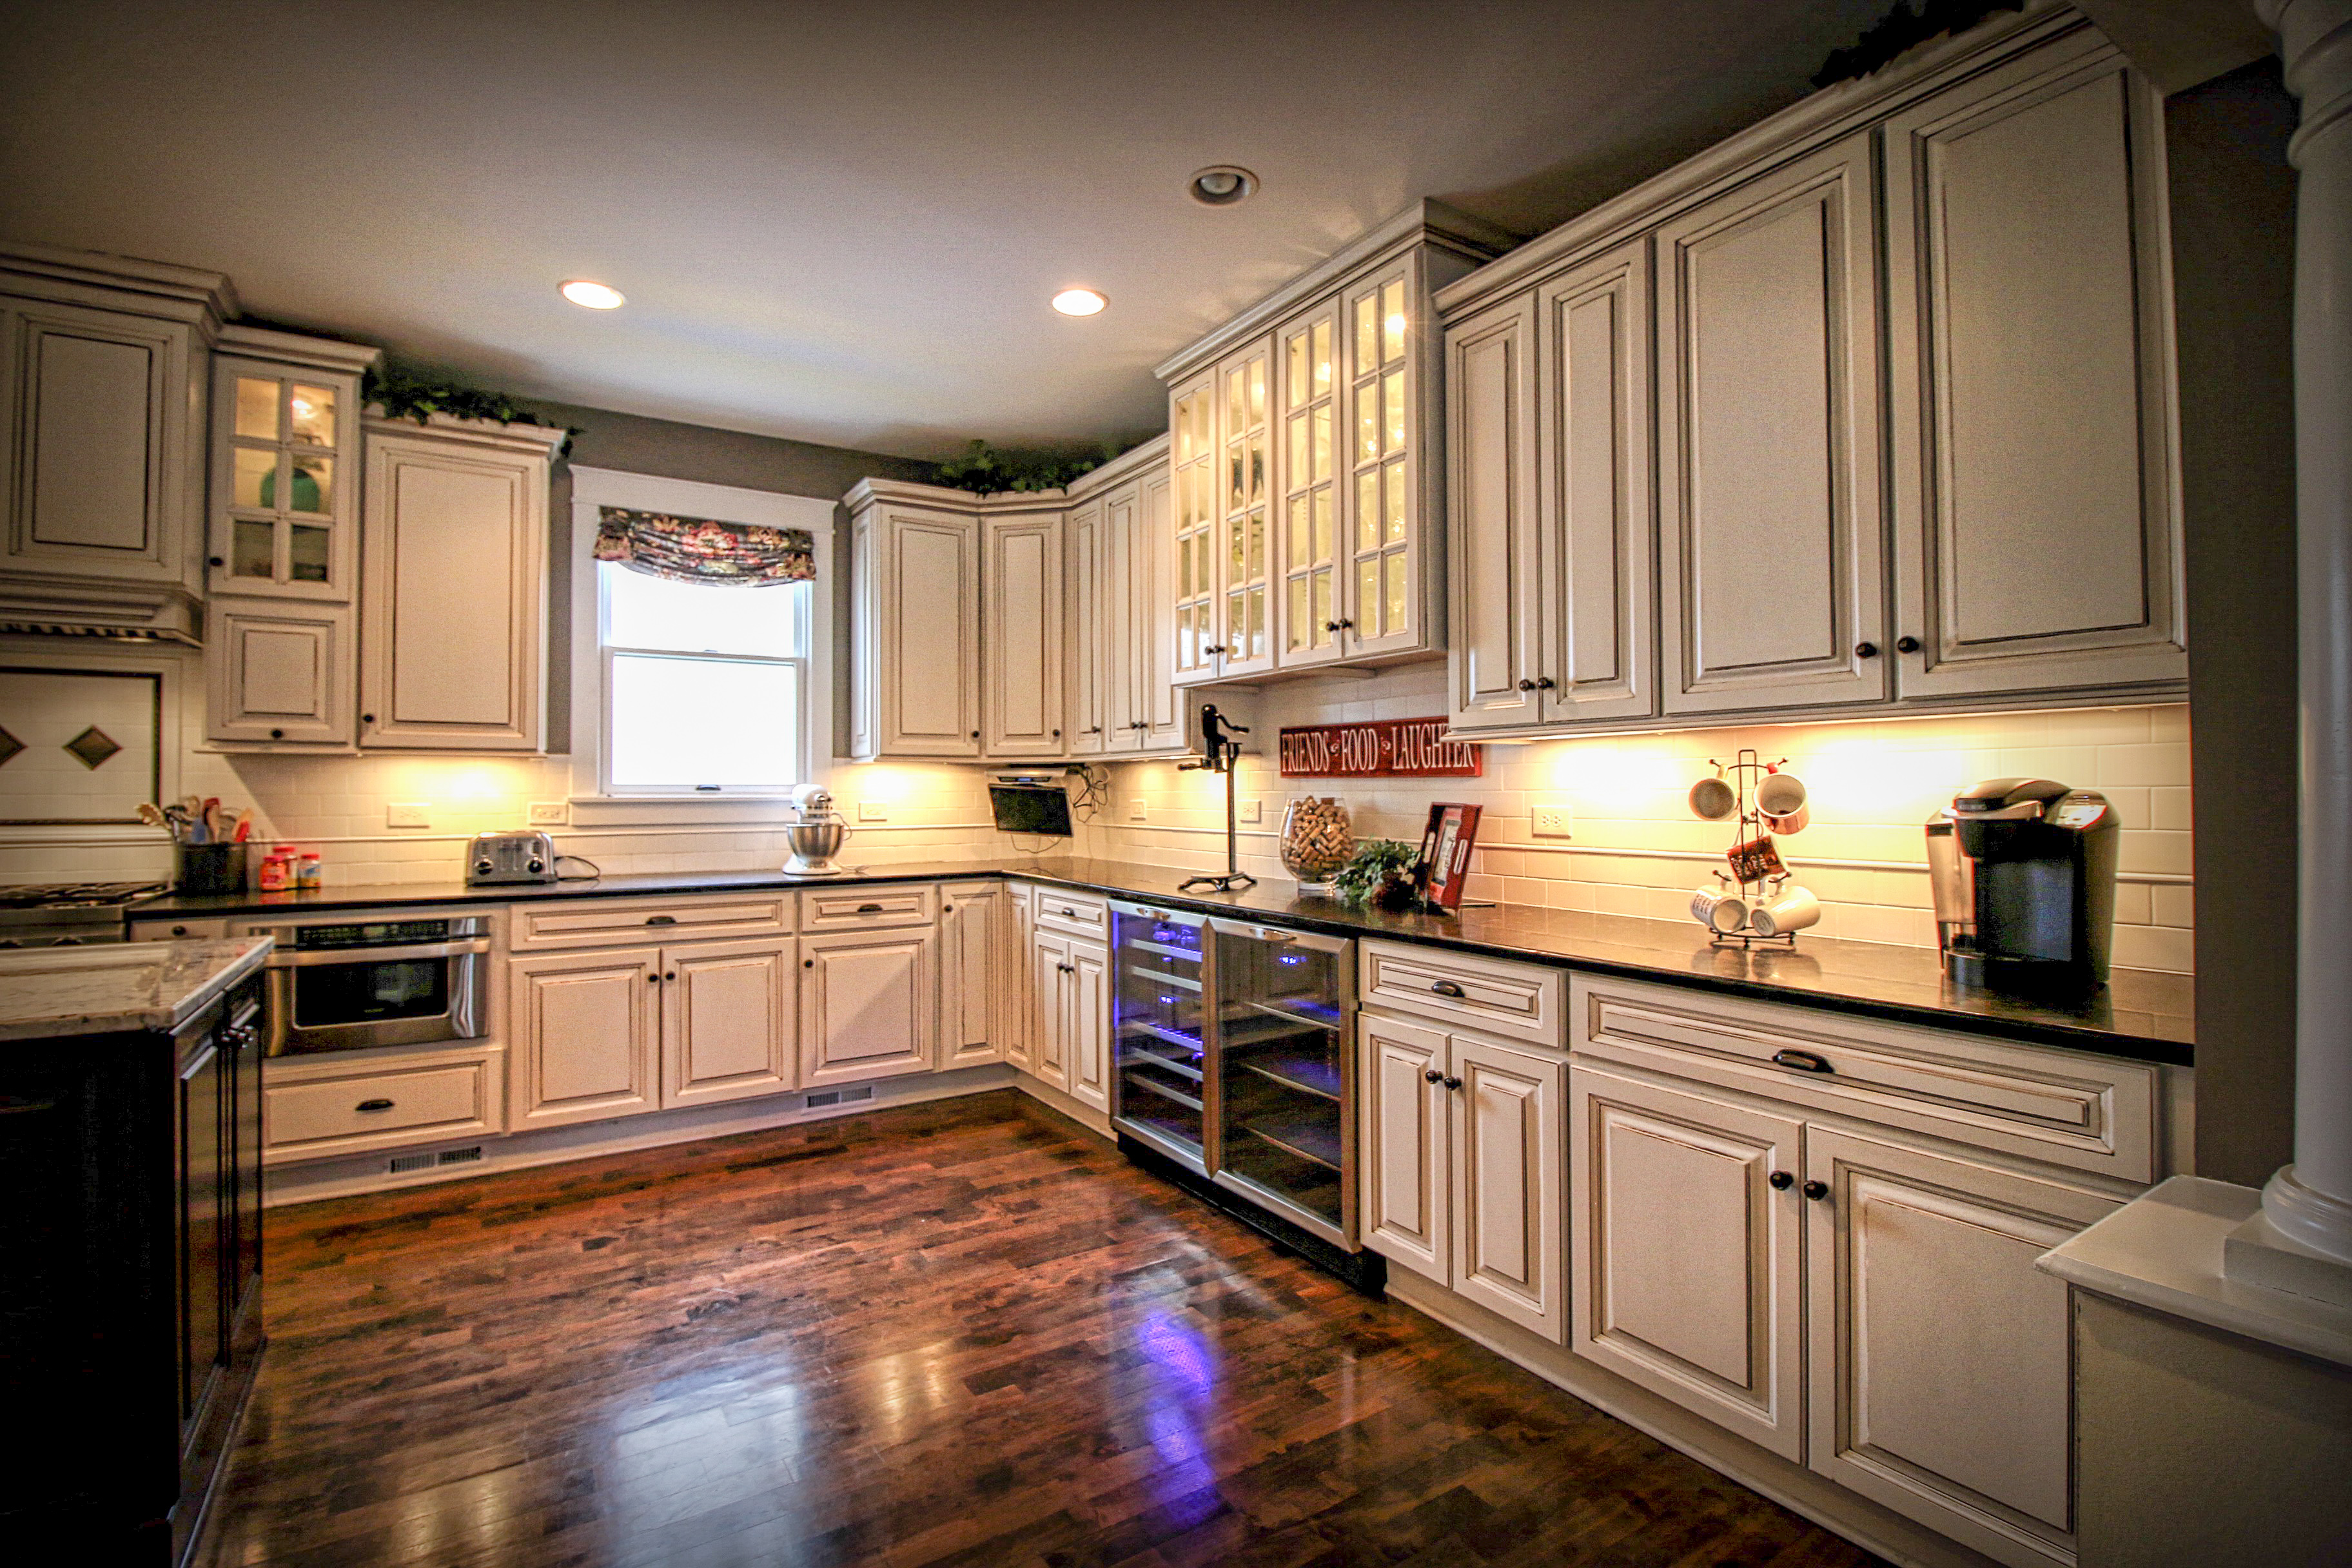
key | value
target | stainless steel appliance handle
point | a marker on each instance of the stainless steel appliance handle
(1278, 934)
(292, 958)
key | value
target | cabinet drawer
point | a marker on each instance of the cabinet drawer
(1495, 996)
(1076, 914)
(414, 1102)
(2069, 1108)
(857, 909)
(609, 922)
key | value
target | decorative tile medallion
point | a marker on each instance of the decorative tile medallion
(92, 746)
(9, 746)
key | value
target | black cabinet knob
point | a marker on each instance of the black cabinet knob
(214, 561)
(276, 734)
(1781, 1181)
(1453, 1082)
(1526, 685)
(179, 930)
(1433, 1075)
(671, 975)
(367, 718)
(975, 735)
(1545, 683)
(1057, 735)
(1816, 1190)
(1907, 645)
(1336, 625)
(1865, 650)
(808, 963)
(1091, 730)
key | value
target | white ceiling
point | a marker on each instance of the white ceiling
(838, 222)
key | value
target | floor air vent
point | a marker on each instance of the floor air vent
(819, 1099)
(400, 1164)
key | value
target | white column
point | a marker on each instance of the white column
(2310, 1201)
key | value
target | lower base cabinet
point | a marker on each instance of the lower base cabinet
(726, 1026)
(1462, 1176)
(975, 956)
(869, 1004)
(329, 1104)
(1858, 1305)
(1069, 1016)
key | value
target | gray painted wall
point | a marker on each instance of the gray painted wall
(2233, 261)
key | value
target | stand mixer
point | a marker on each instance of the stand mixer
(816, 838)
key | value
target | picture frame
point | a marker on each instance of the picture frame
(1445, 846)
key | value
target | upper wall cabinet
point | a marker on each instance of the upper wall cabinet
(2029, 337)
(102, 409)
(1308, 460)
(1732, 553)
(915, 612)
(453, 626)
(1021, 650)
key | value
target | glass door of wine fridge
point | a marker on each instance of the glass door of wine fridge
(1282, 1086)
(1159, 1011)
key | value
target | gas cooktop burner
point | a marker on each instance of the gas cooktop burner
(76, 895)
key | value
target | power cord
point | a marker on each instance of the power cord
(1093, 791)
(593, 871)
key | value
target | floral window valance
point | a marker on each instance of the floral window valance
(696, 550)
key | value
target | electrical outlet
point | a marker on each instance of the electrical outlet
(550, 812)
(408, 814)
(873, 811)
(1554, 822)
(1138, 812)
(1253, 811)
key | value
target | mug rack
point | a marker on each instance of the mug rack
(1745, 770)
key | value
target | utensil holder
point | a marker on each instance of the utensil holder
(208, 867)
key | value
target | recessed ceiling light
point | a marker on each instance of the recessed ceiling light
(592, 296)
(1221, 185)
(1079, 302)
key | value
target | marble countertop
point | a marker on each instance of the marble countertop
(2141, 1014)
(148, 986)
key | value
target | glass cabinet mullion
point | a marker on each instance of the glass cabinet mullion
(284, 472)
(1381, 522)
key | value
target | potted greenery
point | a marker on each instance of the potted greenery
(1380, 874)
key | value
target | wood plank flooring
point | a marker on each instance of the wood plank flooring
(955, 1333)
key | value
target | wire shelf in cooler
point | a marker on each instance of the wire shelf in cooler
(1311, 1141)
(1145, 1029)
(1138, 944)
(1242, 1034)
(1165, 1091)
(1311, 1075)
(1163, 977)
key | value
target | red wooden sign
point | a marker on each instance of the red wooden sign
(1379, 748)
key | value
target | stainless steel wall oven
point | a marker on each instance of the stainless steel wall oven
(344, 985)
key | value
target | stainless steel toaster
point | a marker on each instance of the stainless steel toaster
(503, 859)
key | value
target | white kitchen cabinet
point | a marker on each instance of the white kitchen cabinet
(453, 623)
(1770, 463)
(869, 1004)
(1069, 1011)
(1463, 1175)
(2029, 326)
(727, 1021)
(1491, 473)
(1192, 594)
(1022, 656)
(1122, 620)
(1115, 634)
(1049, 1036)
(1385, 578)
(1685, 1239)
(101, 429)
(285, 461)
(915, 645)
(974, 922)
(1158, 704)
(1940, 1365)
(1016, 1023)
(1311, 613)
(317, 1107)
(280, 673)
(587, 1032)
(1090, 616)
(1246, 484)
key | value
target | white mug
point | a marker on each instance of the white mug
(1781, 801)
(1719, 909)
(1712, 800)
(1791, 908)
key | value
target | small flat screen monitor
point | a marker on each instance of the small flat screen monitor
(1031, 808)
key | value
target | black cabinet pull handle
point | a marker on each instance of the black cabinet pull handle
(661, 920)
(1447, 988)
(373, 1105)
(1865, 650)
(1781, 1181)
(1816, 1190)
(1453, 1082)
(869, 908)
(1907, 645)
(1433, 1075)
(1803, 1061)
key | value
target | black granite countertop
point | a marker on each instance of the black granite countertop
(2143, 1015)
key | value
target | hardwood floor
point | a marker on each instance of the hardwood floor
(957, 1333)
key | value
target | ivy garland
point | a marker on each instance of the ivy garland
(986, 472)
(1902, 29)
(405, 397)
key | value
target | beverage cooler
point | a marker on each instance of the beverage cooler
(1232, 1066)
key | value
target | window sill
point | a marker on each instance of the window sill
(652, 810)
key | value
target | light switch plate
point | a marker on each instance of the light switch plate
(1554, 822)
(550, 813)
(873, 811)
(1253, 811)
(1138, 812)
(408, 814)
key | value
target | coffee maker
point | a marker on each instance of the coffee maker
(2024, 875)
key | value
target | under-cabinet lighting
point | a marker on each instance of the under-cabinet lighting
(1079, 302)
(592, 296)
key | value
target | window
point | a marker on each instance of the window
(706, 686)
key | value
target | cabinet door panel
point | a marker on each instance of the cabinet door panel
(1049, 1045)
(1508, 1183)
(1016, 1008)
(971, 983)
(1490, 474)
(1248, 480)
(727, 1021)
(1153, 561)
(1597, 579)
(1310, 603)
(1194, 527)
(2036, 537)
(1114, 654)
(1086, 1025)
(924, 661)
(869, 1002)
(1022, 651)
(279, 675)
(1089, 719)
(1770, 464)
(586, 1023)
(1406, 1170)
(99, 438)
(1941, 1370)
(1687, 1268)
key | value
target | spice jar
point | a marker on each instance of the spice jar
(1317, 839)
